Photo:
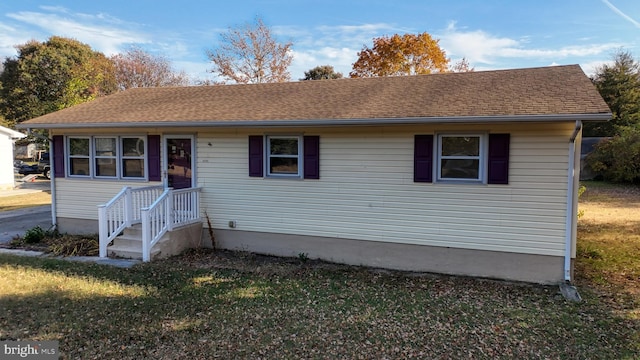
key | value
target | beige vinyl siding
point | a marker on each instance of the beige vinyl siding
(366, 190)
(79, 198)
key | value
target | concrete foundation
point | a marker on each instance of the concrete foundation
(481, 263)
(77, 226)
(490, 264)
(179, 240)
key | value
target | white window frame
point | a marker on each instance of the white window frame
(268, 156)
(122, 157)
(482, 158)
(114, 158)
(93, 157)
(69, 157)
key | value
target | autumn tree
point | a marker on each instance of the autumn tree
(409, 54)
(251, 54)
(51, 75)
(324, 72)
(136, 68)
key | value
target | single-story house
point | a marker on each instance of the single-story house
(461, 173)
(7, 140)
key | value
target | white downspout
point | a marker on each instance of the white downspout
(571, 191)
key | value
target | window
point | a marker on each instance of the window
(460, 157)
(132, 157)
(79, 156)
(106, 157)
(283, 156)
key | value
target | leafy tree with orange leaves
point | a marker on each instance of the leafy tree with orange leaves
(409, 54)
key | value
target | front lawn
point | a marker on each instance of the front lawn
(206, 305)
(223, 305)
(16, 202)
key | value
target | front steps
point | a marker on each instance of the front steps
(129, 244)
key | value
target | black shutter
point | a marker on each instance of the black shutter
(498, 158)
(312, 157)
(153, 157)
(256, 157)
(57, 155)
(423, 158)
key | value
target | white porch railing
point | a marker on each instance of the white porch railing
(123, 211)
(172, 209)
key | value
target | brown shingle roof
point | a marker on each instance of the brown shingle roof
(546, 91)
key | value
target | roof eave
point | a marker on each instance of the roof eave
(330, 122)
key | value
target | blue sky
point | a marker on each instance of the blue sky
(491, 34)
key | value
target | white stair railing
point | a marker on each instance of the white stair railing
(172, 209)
(123, 210)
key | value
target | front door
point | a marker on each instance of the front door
(179, 161)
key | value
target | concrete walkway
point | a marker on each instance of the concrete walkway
(121, 263)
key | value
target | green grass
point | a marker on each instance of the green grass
(206, 305)
(223, 305)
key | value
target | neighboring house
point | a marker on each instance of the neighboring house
(7, 139)
(26, 152)
(460, 173)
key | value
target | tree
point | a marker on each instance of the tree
(462, 66)
(619, 85)
(324, 72)
(618, 158)
(250, 54)
(52, 75)
(136, 68)
(409, 54)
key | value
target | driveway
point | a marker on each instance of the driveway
(17, 222)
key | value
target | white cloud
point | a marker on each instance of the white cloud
(480, 47)
(340, 58)
(101, 32)
(591, 67)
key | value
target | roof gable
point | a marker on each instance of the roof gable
(11, 133)
(558, 90)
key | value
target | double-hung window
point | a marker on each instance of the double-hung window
(132, 157)
(461, 157)
(105, 157)
(79, 150)
(112, 157)
(283, 156)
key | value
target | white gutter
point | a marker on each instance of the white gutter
(322, 122)
(571, 192)
(51, 177)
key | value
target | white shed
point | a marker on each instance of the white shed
(7, 138)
